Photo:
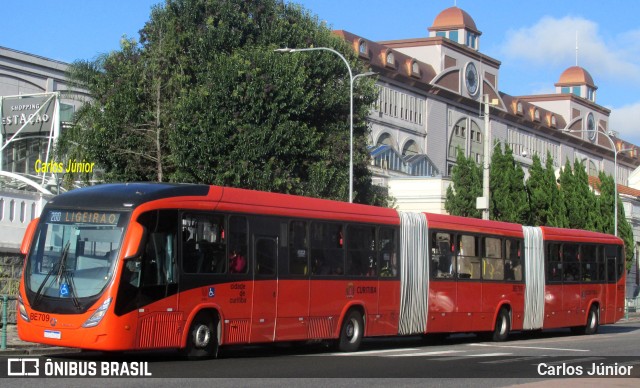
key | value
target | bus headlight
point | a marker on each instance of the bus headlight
(22, 309)
(98, 315)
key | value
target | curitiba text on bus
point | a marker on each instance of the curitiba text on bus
(34, 111)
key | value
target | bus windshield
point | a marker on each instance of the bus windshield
(73, 254)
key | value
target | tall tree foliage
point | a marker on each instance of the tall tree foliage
(578, 198)
(508, 199)
(606, 220)
(204, 98)
(466, 186)
(557, 215)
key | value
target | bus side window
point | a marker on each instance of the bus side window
(554, 263)
(361, 243)
(203, 244)
(387, 256)
(327, 254)
(442, 259)
(612, 253)
(513, 261)
(159, 257)
(570, 263)
(298, 248)
(238, 242)
(492, 261)
(468, 257)
(588, 259)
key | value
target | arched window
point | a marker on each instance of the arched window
(415, 68)
(410, 149)
(476, 143)
(458, 138)
(385, 139)
(391, 59)
(362, 47)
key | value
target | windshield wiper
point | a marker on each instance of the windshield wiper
(68, 276)
(59, 267)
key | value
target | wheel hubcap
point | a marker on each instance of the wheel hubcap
(202, 336)
(352, 330)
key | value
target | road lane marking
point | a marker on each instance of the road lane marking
(515, 359)
(467, 356)
(531, 347)
(420, 354)
(369, 352)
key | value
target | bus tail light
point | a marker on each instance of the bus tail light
(23, 310)
(98, 315)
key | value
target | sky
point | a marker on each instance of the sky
(534, 41)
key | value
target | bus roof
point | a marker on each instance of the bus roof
(577, 235)
(124, 196)
(473, 225)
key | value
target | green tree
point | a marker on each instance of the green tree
(508, 193)
(578, 198)
(605, 210)
(557, 215)
(466, 186)
(204, 98)
(539, 195)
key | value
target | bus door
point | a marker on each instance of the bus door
(610, 257)
(469, 287)
(265, 289)
(159, 321)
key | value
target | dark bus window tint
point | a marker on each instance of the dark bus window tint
(388, 252)
(238, 237)
(611, 255)
(513, 265)
(266, 256)
(468, 257)
(621, 262)
(554, 264)
(492, 260)
(204, 248)
(442, 259)
(588, 262)
(570, 265)
(298, 248)
(160, 252)
(361, 245)
(327, 255)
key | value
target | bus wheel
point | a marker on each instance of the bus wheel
(202, 340)
(351, 332)
(503, 326)
(592, 321)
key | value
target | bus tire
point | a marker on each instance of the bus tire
(502, 327)
(351, 332)
(202, 339)
(593, 321)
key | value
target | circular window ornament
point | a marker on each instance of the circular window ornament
(472, 81)
(591, 127)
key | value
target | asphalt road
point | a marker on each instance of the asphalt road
(460, 360)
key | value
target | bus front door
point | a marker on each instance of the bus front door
(159, 321)
(265, 290)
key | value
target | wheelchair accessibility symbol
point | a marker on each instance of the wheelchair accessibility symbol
(212, 292)
(64, 289)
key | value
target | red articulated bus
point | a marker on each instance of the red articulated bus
(159, 266)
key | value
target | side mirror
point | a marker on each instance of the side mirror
(28, 236)
(134, 243)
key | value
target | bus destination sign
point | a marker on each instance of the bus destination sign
(83, 217)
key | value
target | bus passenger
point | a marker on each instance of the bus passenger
(237, 262)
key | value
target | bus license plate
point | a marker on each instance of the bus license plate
(52, 334)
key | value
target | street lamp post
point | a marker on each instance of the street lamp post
(352, 78)
(615, 173)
